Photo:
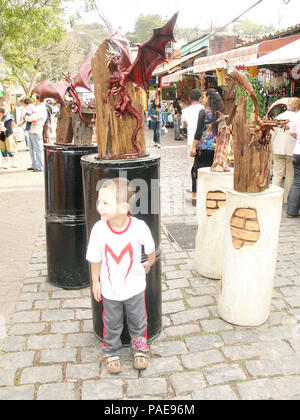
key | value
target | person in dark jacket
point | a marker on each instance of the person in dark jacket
(206, 135)
(156, 115)
(7, 142)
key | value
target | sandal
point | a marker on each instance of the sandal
(113, 364)
(141, 361)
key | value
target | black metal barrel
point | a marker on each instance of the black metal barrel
(65, 216)
(145, 173)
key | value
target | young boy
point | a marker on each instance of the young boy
(114, 251)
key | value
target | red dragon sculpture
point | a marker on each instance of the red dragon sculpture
(151, 54)
(48, 89)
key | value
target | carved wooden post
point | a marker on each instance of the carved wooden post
(64, 130)
(113, 133)
(252, 161)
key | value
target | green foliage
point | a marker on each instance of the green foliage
(144, 26)
(246, 27)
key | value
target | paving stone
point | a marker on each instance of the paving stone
(20, 393)
(27, 329)
(47, 304)
(178, 274)
(259, 389)
(288, 386)
(102, 390)
(58, 355)
(58, 315)
(28, 316)
(41, 375)
(201, 359)
(91, 354)
(182, 330)
(196, 302)
(66, 327)
(83, 371)
(17, 360)
(7, 377)
(274, 350)
(223, 373)
(187, 382)
(146, 387)
(177, 284)
(57, 392)
(13, 343)
(214, 325)
(263, 368)
(240, 337)
(172, 307)
(83, 314)
(169, 348)
(50, 341)
(77, 303)
(81, 340)
(203, 342)
(162, 366)
(221, 393)
(34, 296)
(189, 315)
(241, 352)
(172, 295)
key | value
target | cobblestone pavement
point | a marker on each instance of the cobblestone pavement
(50, 351)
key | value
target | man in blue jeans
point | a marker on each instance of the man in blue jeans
(294, 196)
(37, 119)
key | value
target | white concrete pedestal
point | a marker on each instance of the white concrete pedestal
(211, 206)
(250, 251)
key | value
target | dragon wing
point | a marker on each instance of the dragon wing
(116, 39)
(48, 89)
(82, 79)
(151, 54)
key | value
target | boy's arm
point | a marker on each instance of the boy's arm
(95, 270)
(151, 260)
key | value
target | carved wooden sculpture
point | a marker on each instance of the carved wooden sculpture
(121, 71)
(252, 142)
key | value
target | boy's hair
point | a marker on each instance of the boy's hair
(195, 95)
(27, 101)
(125, 192)
(294, 104)
(2, 110)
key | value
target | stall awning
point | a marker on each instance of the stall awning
(290, 54)
(175, 77)
(168, 68)
(244, 56)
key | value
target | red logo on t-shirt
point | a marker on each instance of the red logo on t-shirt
(118, 259)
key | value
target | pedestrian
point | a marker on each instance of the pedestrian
(283, 146)
(177, 119)
(28, 110)
(118, 276)
(48, 123)
(294, 196)
(189, 118)
(37, 119)
(156, 114)
(8, 143)
(204, 144)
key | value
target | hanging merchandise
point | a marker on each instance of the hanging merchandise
(221, 77)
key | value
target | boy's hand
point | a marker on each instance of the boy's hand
(97, 292)
(147, 266)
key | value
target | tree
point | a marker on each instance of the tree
(246, 27)
(144, 26)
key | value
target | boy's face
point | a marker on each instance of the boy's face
(108, 206)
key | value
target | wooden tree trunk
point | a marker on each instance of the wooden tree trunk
(251, 163)
(83, 133)
(64, 130)
(114, 133)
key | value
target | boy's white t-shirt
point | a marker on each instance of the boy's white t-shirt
(122, 274)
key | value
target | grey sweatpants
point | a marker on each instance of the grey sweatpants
(113, 322)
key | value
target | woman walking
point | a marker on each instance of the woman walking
(206, 136)
(7, 142)
(156, 115)
(294, 196)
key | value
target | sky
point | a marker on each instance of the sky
(123, 13)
